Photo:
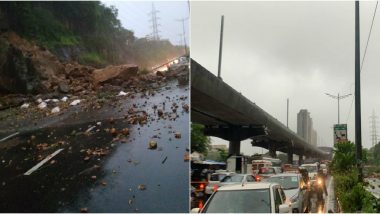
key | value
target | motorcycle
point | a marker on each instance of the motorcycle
(319, 189)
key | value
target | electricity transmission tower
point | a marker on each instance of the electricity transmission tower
(183, 33)
(154, 18)
(373, 123)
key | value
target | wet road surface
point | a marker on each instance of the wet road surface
(98, 170)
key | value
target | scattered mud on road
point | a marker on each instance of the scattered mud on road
(105, 164)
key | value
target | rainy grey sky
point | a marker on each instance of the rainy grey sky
(297, 50)
(134, 15)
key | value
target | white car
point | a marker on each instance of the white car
(259, 197)
(312, 169)
(295, 189)
(215, 179)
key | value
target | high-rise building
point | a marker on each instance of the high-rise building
(305, 127)
(303, 124)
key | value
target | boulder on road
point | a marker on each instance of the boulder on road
(123, 72)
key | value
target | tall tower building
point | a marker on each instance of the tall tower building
(304, 124)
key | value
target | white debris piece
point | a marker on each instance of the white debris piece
(64, 99)
(55, 100)
(99, 123)
(42, 105)
(75, 102)
(39, 100)
(90, 129)
(122, 93)
(55, 110)
(25, 105)
(47, 100)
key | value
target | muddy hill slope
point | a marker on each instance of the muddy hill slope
(29, 69)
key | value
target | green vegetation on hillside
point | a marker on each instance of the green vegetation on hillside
(86, 31)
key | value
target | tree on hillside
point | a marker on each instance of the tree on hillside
(199, 142)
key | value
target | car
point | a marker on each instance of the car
(260, 197)
(312, 169)
(182, 61)
(296, 190)
(266, 172)
(237, 179)
(215, 179)
(324, 169)
(277, 169)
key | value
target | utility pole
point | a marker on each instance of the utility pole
(338, 98)
(358, 119)
(373, 124)
(220, 46)
(183, 32)
(154, 18)
(287, 113)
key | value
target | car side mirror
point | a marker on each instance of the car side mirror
(195, 210)
(284, 208)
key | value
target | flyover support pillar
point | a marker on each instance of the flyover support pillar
(234, 147)
(300, 159)
(290, 156)
(272, 153)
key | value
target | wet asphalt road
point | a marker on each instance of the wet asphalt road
(96, 171)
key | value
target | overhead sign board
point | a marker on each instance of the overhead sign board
(340, 133)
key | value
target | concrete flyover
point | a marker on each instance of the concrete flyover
(229, 115)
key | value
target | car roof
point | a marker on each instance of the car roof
(223, 173)
(247, 186)
(309, 164)
(286, 175)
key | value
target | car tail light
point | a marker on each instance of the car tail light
(202, 186)
(200, 204)
(215, 187)
(257, 177)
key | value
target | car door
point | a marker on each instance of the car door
(278, 200)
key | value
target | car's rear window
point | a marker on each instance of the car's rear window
(239, 201)
(234, 178)
(217, 177)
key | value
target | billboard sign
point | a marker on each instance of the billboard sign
(340, 133)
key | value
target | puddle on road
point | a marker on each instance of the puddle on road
(69, 184)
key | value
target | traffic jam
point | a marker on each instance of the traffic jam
(258, 185)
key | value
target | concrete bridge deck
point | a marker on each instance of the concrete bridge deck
(227, 114)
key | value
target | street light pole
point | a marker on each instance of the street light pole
(338, 98)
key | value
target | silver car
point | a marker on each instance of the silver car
(295, 190)
(215, 179)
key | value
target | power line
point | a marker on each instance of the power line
(369, 36)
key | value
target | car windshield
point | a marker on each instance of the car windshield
(287, 182)
(239, 201)
(311, 168)
(234, 178)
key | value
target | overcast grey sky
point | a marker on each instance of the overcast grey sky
(297, 50)
(134, 15)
